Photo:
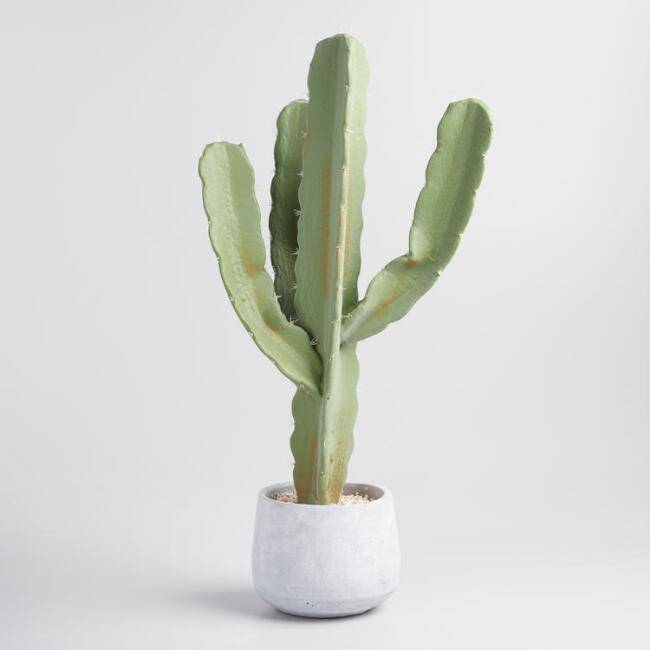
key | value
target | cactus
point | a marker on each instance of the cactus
(309, 319)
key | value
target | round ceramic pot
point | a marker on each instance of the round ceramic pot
(325, 561)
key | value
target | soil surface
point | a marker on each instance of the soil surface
(289, 496)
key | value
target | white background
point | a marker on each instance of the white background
(508, 411)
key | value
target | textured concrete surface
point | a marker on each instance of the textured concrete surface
(324, 561)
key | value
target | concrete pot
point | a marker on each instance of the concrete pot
(325, 561)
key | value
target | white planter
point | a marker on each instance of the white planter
(325, 561)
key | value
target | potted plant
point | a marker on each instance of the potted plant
(312, 556)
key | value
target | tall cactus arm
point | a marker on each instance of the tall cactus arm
(328, 261)
(234, 226)
(283, 220)
(441, 214)
(332, 188)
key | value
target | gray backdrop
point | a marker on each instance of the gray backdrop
(508, 412)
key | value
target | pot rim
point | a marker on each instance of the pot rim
(383, 491)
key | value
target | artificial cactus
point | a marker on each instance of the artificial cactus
(310, 319)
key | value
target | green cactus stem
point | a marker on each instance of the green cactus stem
(234, 226)
(285, 210)
(442, 212)
(329, 258)
(310, 320)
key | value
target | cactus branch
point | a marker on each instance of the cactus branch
(234, 226)
(441, 214)
(285, 211)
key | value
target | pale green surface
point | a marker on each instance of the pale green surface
(441, 215)
(234, 226)
(328, 262)
(310, 321)
(283, 220)
(322, 455)
(332, 188)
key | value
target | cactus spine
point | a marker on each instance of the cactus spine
(310, 320)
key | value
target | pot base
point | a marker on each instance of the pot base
(308, 609)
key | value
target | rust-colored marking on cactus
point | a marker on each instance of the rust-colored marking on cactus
(272, 326)
(410, 263)
(338, 459)
(386, 304)
(348, 230)
(303, 472)
(336, 486)
(250, 268)
(313, 446)
(326, 182)
(339, 252)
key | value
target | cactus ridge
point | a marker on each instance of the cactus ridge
(442, 212)
(234, 228)
(308, 320)
(285, 205)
